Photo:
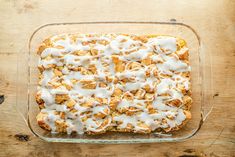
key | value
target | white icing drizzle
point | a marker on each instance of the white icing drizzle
(51, 118)
(167, 43)
(174, 64)
(98, 92)
(47, 76)
(74, 125)
(124, 104)
(137, 56)
(59, 90)
(100, 109)
(52, 51)
(123, 43)
(47, 96)
(128, 50)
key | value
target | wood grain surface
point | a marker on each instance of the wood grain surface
(213, 20)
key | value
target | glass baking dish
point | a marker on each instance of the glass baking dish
(201, 79)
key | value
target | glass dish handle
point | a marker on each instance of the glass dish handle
(207, 85)
(21, 104)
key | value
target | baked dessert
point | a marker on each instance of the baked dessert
(94, 83)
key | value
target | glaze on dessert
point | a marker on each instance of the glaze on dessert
(93, 83)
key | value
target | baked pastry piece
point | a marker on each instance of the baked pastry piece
(93, 83)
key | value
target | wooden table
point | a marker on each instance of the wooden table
(214, 21)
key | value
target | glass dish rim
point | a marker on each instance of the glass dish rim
(117, 141)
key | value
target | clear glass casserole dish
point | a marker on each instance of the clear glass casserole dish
(200, 79)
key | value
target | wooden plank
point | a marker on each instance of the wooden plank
(215, 22)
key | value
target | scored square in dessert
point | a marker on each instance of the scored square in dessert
(94, 83)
